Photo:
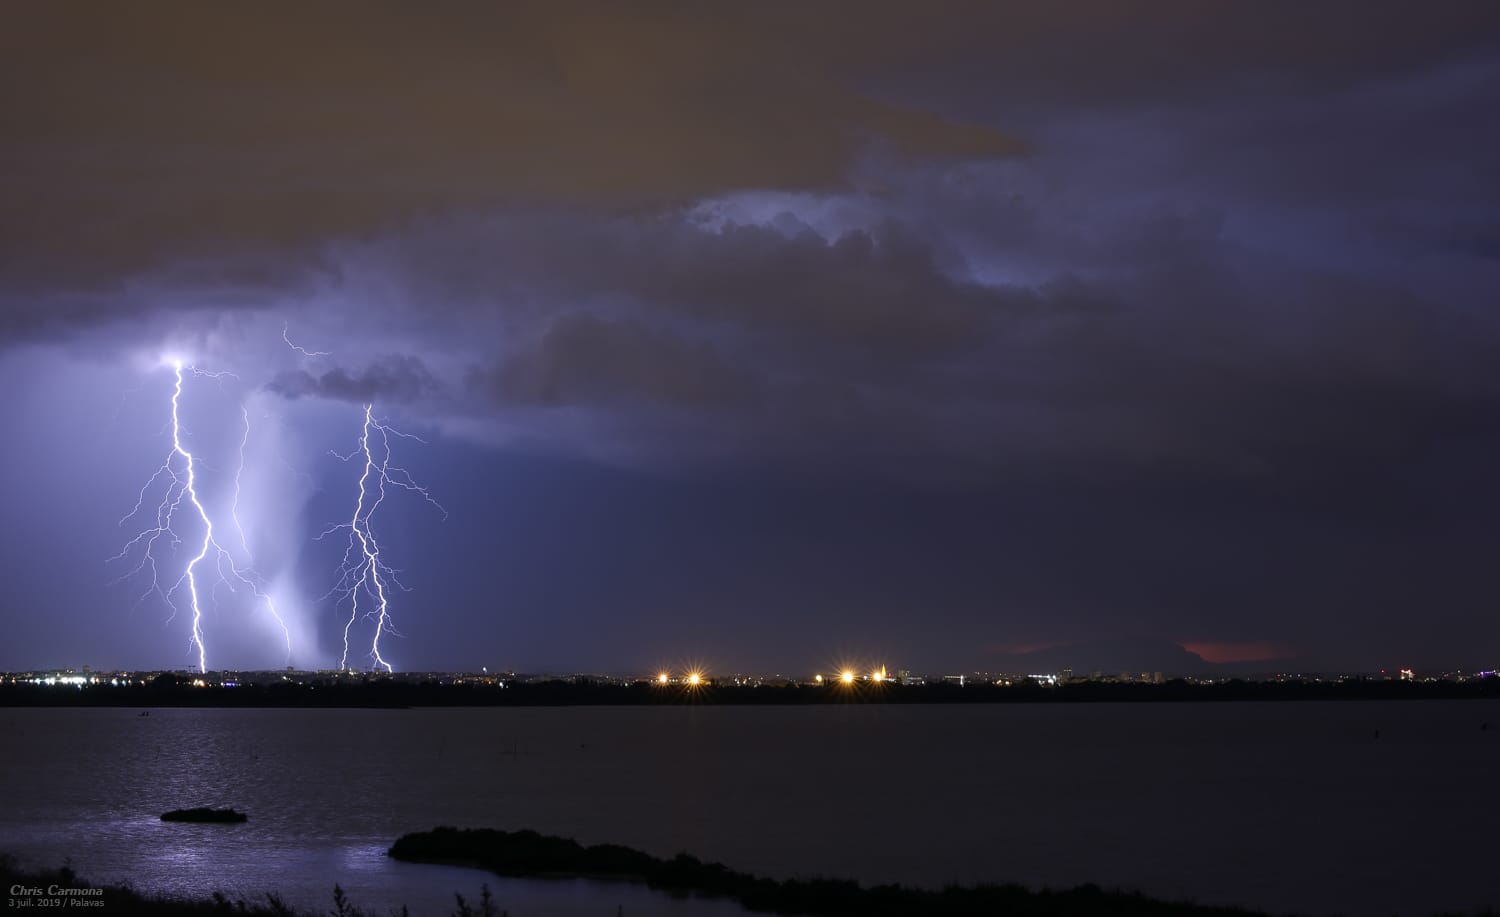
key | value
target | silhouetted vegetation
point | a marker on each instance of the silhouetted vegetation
(532, 855)
(344, 691)
(203, 814)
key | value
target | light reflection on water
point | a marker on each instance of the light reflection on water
(327, 791)
(1289, 807)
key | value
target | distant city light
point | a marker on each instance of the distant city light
(663, 678)
(847, 677)
(695, 678)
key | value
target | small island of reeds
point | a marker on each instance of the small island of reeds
(203, 814)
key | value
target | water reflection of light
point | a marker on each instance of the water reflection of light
(365, 858)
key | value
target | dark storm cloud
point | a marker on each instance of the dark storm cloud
(173, 130)
(1172, 343)
(746, 332)
(390, 379)
(163, 131)
(877, 294)
(584, 358)
(880, 293)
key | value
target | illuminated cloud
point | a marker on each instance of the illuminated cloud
(394, 378)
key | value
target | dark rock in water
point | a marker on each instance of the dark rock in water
(204, 815)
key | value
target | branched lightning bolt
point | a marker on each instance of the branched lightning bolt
(180, 472)
(362, 570)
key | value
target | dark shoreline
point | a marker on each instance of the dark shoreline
(527, 854)
(377, 692)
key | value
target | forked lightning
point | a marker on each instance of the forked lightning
(180, 472)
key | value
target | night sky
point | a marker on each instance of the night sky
(767, 336)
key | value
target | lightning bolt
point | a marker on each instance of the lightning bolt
(285, 330)
(362, 571)
(248, 576)
(239, 472)
(180, 472)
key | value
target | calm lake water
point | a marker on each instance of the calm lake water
(1291, 807)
